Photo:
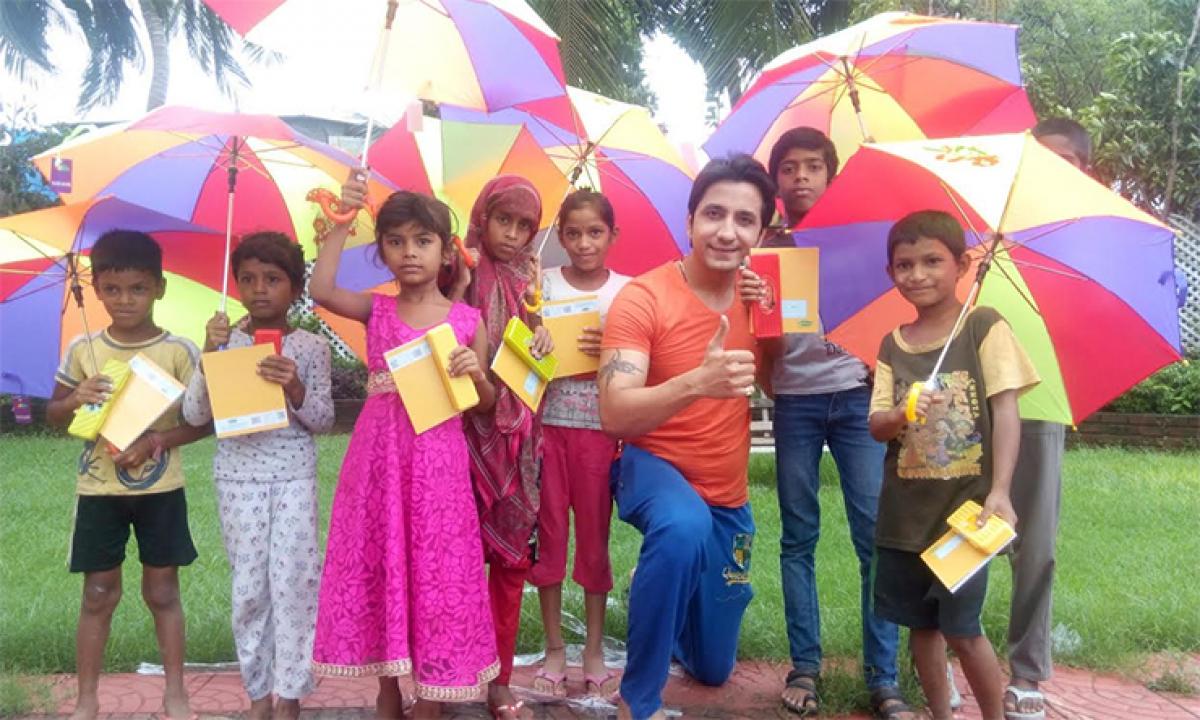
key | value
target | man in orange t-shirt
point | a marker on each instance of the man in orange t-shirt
(677, 368)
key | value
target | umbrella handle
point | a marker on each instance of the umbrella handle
(332, 207)
(910, 406)
(462, 250)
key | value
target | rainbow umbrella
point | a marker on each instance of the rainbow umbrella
(615, 148)
(483, 54)
(894, 77)
(192, 164)
(460, 158)
(1085, 278)
(40, 253)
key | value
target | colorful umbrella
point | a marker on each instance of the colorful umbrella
(1084, 277)
(461, 157)
(894, 77)
(37, 252)
(191, 164)
(615, 148)
(482, 54)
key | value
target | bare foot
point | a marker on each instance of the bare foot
(260, 709)
(427, 710)
(504, 706)
(86, 708)
(389, 704)
(286, 709)
(175, 704)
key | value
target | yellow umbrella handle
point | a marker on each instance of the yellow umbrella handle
(910, 407)
(537, 304)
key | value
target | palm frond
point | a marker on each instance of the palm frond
(211, 42)
(110, 31)
(600, 44)
(23, 29)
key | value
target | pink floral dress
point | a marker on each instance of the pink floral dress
(404, 589)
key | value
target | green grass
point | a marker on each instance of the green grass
(1128, 554)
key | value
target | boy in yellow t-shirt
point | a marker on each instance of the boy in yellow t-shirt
(141, 487)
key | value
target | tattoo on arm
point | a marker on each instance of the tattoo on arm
(614, 366)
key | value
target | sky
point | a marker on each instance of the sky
(316, 88)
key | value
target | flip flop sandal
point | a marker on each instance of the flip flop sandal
(888, 704)
(1020, 695)
(557, 682)
(595, 685)
(810, 703)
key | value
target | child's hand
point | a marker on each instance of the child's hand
(589, 341)
(147, 447)
(464, 361)
(281, 371)
(998, 503)
(462, 272)
(535, 280)
(542, 344)
(926, 400)
(94, 390)
(750, 287)
(354, 192)
(216, 332)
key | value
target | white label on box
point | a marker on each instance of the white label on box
(157, 379)
(397, 358)
(246, 422)
(795, 309)
(533, 382)
(948, 547)
(577, 307)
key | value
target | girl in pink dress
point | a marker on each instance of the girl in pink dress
(403, 590)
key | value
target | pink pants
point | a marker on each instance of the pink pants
(575, 472)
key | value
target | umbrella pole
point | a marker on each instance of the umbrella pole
(377, 75)
(77, 293)
(233, 171)
(931, 382)
(852, 90)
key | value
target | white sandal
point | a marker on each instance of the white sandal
(1020, 695)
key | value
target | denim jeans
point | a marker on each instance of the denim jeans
(803, 425)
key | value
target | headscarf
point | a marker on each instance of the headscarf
(506, 443)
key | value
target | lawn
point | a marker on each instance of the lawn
(1128, 556)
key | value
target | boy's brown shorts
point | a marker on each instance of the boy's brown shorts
(102, 523)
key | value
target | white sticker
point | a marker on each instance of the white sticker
(397, 358)
(571, 308)
(532, 384)
(944, 551)
(157, 378)
(795, 309)
(246, 422)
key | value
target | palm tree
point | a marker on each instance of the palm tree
(110, 29)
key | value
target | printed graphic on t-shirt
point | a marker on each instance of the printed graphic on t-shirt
(949, 443)
(142, 478)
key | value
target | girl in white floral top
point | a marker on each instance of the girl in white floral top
(577, 455)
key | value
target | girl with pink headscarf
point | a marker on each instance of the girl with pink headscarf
(506, 443)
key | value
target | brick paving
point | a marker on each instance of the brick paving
(753, 692)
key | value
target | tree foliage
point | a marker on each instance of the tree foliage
(21, 188)
(110, 29)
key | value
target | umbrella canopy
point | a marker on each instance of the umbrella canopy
(1084, 277)
(911, 77)
(179, 161)
(37, 315)
(617, 149)
(482, 54)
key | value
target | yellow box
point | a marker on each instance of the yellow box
(566, 320)
(88, 418)
(461, 390)
(799, 271)
(149, 392)
(419, 382)
(512, 370)
(518, 337)
(964, 550)
(242, 401)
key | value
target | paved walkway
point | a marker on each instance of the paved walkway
(752, 693)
